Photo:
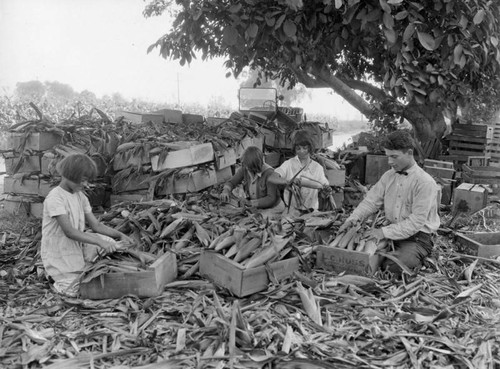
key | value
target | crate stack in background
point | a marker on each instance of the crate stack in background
(28, 179)
(467, 140)
(493, 148)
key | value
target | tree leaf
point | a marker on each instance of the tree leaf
(457, 53)
(338, 4)
(426, 40)
(230, 35)
(479, 17)
(388, 20)
(252, 30)
(390, 35)
(394, 2)
(401, 15)
(494, 40)
(408, 33)
(235, 8)
(385, 7)
(280, 21)
(289, 28)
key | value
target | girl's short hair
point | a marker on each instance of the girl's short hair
(401, 140)
(253, 159)
(76, 167)
(303, 138)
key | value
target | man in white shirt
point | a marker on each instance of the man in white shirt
(409, 197)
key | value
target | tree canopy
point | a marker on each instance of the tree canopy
(411, 60)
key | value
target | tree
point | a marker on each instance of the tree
(59, 91)
(31, 90)
(410, 60)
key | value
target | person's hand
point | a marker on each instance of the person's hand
(125, 240)
(108, 246)
(224, 196)
(244, 202)
(347, 224)
(297, 181)
(375, 233)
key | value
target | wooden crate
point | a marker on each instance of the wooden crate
(375, 166)
(349, 261)
(225, 158)
(170, 115)
(149, 283)
(320, 134)
(36, 141)
(475, 196)
(139, 118)
(26, 164)
(129, 158)
(468, 140)
(336, 177)
(188, 180)
(440, 169)
(240, 281)
(181, 154)
(16, 206)
(482, 244)
(482, 175)
(248, 141)
(192, 118)
(28, 186)
(133, 182)
(224, 175)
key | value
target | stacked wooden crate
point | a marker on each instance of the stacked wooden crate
(28, 178)
(178, 163)
(493, 149)
(467, 140)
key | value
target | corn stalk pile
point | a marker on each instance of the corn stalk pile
(446, 316)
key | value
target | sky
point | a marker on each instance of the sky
(101, 46)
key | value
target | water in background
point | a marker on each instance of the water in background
(338, 140)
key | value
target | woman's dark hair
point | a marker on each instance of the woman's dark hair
(399, 140)
(76, 167)
(253, 159)
(303, 138)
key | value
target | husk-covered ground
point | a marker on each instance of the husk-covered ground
(444, 316)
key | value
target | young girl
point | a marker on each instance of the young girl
(66, 248)
(304, 171)
(254, 174)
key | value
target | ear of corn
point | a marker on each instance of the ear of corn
(278, 243)
(246, 249)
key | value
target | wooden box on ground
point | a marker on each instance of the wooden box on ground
(139, 118)
(375, 166)
(181, 154)
(224, 175)
(240, 281)
(248, 141)
(149, 283)
(133, 182)
(277, 139)
(132, 158)
(440, 169)
(481, 244)
(189, 180)
(28, 186)
(320, 134)
(37, 141)
(475, 196)
(215, 121)
(26, 164)
(467, 140)
(336, 177)
(225, 158)
(23, 206)
(482, 175)
(351, 262)
(170, 115)
(192, 118)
